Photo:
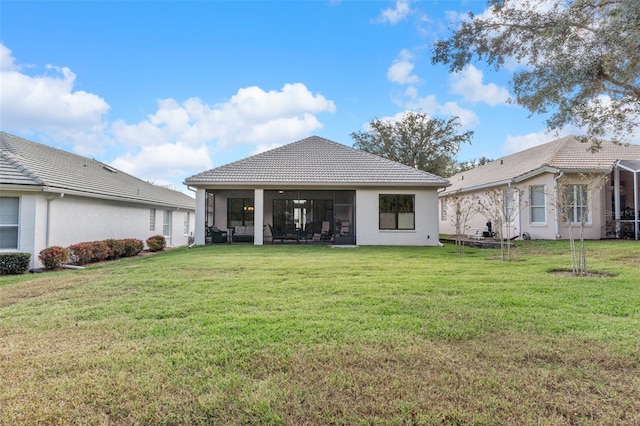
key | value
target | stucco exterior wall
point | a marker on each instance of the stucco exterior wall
(553, 227)
(426, 219)
(47, 219)
(75, 219)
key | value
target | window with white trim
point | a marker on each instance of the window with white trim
(152, 219)
(443, 209)
(509, 203)
(538, 204)
(166, 223)
(576, 199)
(9, 222)
(186, 223)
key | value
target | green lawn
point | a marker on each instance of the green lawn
(292, 335)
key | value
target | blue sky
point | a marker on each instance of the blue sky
(164, 89)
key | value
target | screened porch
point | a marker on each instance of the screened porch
(279, 216)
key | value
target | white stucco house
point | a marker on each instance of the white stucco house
(50, 197)
(320, 191)
(547, 174)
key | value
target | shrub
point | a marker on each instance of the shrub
(54, 257)
(89, 252)
(116, 247)
(100, 251)
(156, 243)
(132, 247)
(14, 263)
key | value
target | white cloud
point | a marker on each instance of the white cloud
(173, 142)
(165, 163)
(400, 71)
(430, 105)
(265, 147)
(518, 143)
(7, 61)
(252, 116)
(48, 104)
(468, 84)
(394, 15)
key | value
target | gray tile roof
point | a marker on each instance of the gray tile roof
(23, 162)
(566, 154)
(316, 161)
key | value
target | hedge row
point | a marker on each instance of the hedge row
(14, 263)
(89, 252)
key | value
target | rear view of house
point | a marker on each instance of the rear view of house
(553, 186)
(51, 197)
(317, 190)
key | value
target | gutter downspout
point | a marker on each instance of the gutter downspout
(616, 198)
(555, 195)
(48, 225)
(636, 204)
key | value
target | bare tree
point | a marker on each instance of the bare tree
(460, 209)
(502, 206)
(574, 206)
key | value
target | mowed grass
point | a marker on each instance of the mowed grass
(314, 335)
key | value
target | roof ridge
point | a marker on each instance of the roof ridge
(561, 146)
(10, 157)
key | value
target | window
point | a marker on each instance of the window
(186, 223)
(537, 203)
(166, 223)
(396, 211)
(152, 219)
(9, 217)
(575, 204)
(240, 212)
(443, 209)
(509, 199)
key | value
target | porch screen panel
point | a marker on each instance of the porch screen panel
(240, 212)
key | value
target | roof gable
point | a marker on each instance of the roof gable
(316, 160)
(566, 154)
(23, 162)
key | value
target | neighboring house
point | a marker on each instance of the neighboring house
(49, 197)
(547, 174)
(321, 191)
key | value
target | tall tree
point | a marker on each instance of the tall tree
(581, 58)
(428, 144)
(463, 166)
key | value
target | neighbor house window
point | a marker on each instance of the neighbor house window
(240, 212)
(166, 223)
(576, 198)
(443, 209)
(537, 203)
(186, 223)
(509, 201)
(396, 211)
(9, 216)
(152, 219)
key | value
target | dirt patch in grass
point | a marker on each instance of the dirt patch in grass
(590, 274)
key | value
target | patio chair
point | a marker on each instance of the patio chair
(276, 234)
